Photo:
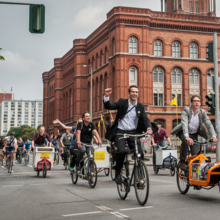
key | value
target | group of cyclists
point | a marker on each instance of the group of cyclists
(131, 118)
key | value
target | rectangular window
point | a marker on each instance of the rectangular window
(173, 78)
(179, 100)
(197, 7)
(160, 99)
(190, 6)
(160, 77)
(155, 100)
(155, 77)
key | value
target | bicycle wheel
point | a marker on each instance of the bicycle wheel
(172, 167)
(45, 170)
(141, 182)
(92, 173)
(74, 175)
(112, 171)
(9, 164)
(57, 158)
(124, 185)
(107, 170)
(26, 160)
(182, 184)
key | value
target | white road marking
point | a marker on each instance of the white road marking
(147, 207)
(12, 185)
(103, 207)
(38, 184)
(119, 215)
(85, 213)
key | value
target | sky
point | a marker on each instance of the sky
(28, 55)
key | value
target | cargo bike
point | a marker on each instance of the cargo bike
(166, 158)
(43, 159)
(200, 172)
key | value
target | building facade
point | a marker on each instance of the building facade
(6, 96)
(14, 113)
(164, 53)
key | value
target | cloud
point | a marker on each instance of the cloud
(15, 63)
(90, 17)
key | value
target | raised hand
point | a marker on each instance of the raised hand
(56, 121)
(108, 92)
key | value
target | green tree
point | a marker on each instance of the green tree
(27, 133)
(1, 57)
(17, 130)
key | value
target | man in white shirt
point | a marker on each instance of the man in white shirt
(131, 118)
(191, 126)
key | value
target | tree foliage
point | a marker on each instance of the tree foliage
(18, 131)
(27, 133)
(1, 57)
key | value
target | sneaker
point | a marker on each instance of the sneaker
(78, 167)
(13, 163)
(182, 165)
(71, 169)
(5, 168)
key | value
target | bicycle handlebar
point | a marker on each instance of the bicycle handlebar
(206, 142)
(125, 136)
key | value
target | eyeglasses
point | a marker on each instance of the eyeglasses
(196, 100)
(134, 92)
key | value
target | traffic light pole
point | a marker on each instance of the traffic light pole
(216, 79)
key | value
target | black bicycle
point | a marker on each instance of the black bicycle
(89, 169)
(139, 177)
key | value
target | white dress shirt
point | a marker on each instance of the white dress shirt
(130, 121)
(194, 125)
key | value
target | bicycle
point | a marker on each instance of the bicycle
(57, 157)
(88, 171)
(26, 158)
(198, 174)
(2, 157)
(167, 159)
(139, 177)
(67, 165)
(10, 162)
(20, 156)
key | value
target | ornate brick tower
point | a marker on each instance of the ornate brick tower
(202, 7)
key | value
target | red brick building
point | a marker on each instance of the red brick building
(6, 96)
(164, 53)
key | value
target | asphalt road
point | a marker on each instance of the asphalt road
(23, 195)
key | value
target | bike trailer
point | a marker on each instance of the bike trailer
(43, 152)
(102, 157)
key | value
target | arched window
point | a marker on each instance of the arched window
(161, 121)
(113, 46)
(106, 55)
(194, 50)
(158, 74)
(97, 61)
(133, 42)
(158, 48)
(176, 75)
(132, 75)
(101, 58)
(194, 76)
(176, 49)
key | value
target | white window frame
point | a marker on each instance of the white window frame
(158, 48)
(133, 45)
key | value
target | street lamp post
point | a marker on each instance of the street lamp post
(90, 91)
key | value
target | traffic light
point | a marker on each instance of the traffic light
(211, 103)
(37, 19)
(209, 52)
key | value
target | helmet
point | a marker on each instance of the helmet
(12, 134)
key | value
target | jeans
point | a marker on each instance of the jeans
(28, 154)
(162, 144)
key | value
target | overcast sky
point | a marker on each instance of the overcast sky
(28, 55)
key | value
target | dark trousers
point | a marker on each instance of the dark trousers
(65, 153)
(74, 152)
(82, 150)
(121, 150)
(184, 146)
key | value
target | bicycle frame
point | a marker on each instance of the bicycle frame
(213, 171)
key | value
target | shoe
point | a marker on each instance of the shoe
(63, 164)
(13, 163)
(71, 169)
(5, 168)
(78, 167)
(118, 178)
(182, 165)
